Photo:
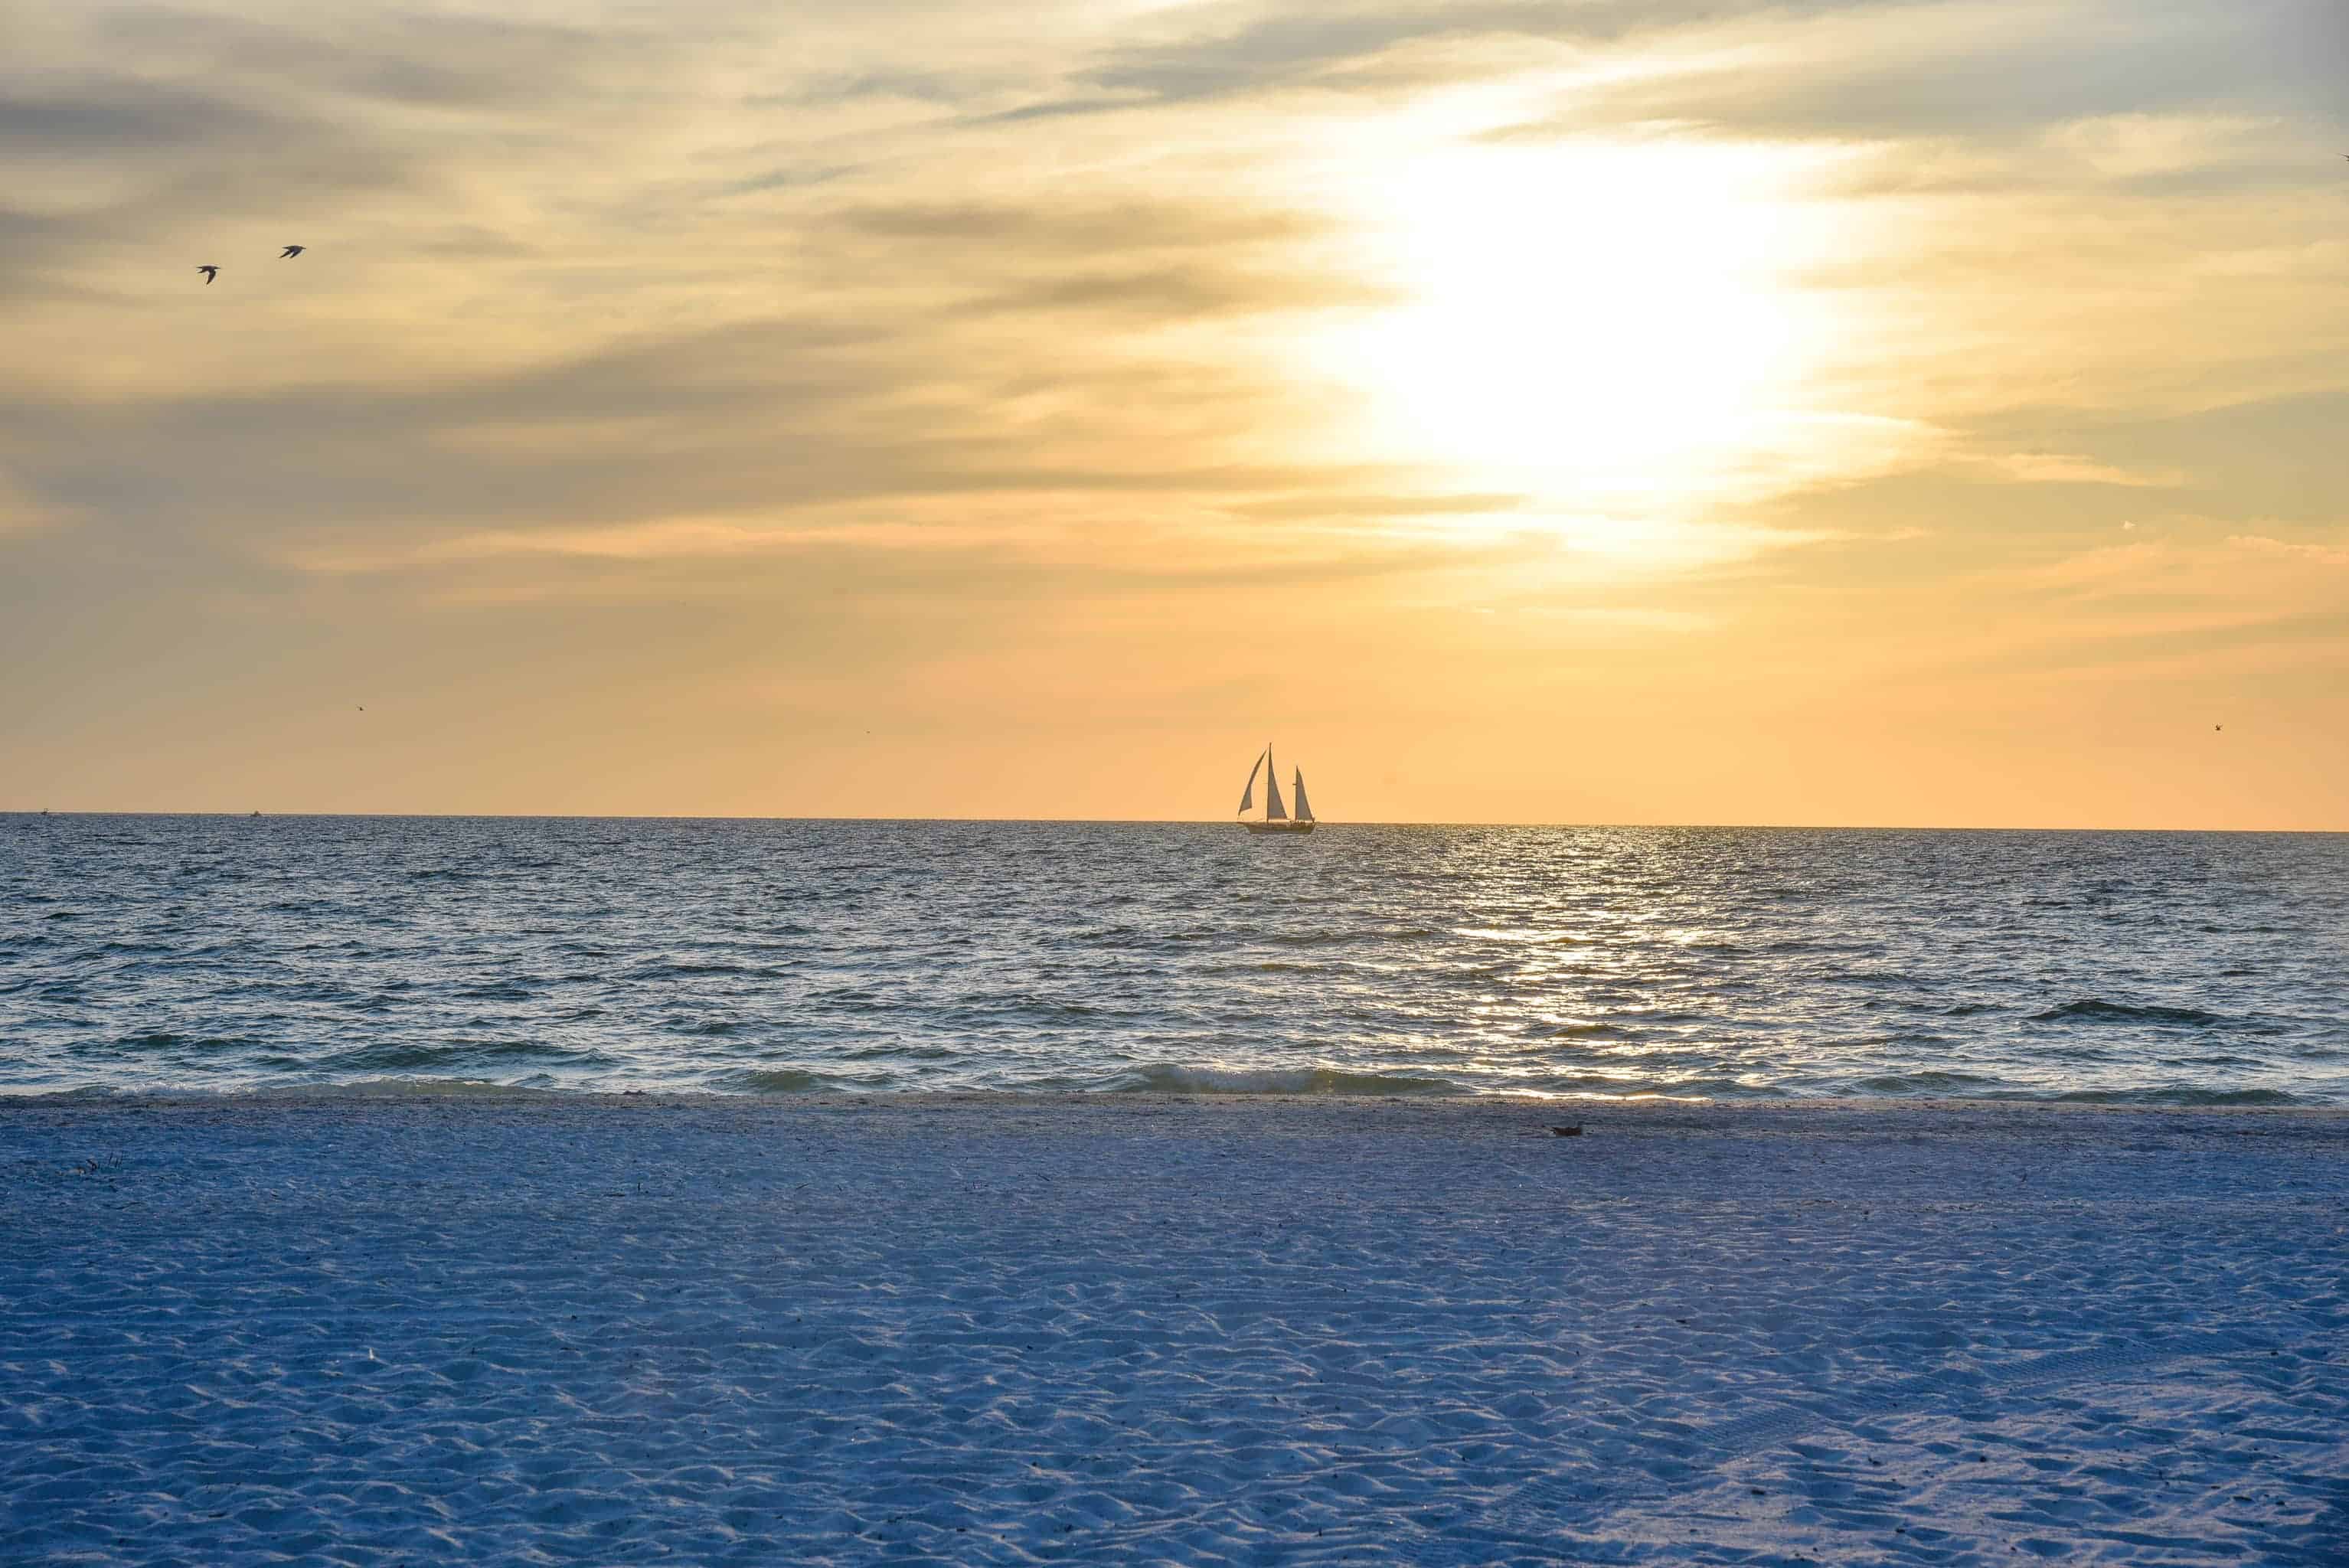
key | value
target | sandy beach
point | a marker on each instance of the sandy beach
(1138, 1328)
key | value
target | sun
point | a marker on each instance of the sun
(1593, 326)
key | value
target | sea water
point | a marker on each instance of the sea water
(422, 954)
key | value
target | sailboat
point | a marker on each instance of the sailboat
(1276, 818)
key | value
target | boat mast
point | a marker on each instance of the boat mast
(1273, 810)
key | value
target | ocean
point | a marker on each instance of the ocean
(434, 954)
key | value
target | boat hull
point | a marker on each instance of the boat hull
(1291, 827)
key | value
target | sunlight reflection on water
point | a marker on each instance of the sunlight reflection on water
(210, 953)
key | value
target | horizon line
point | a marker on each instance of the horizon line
(1157, 822)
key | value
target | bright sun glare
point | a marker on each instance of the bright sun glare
(1589, 325)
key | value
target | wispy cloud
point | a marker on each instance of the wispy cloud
(1978, 70)
(2072, 469)
(2315, 553)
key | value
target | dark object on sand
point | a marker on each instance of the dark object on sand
(1574, 1132)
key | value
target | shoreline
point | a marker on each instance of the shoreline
(1644, 1110)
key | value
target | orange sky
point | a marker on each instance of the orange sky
(1825, 413)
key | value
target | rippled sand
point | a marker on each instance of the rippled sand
(1143, 1329)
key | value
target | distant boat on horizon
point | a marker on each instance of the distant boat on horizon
(1276, 818)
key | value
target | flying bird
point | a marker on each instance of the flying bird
(210, 273)
(290, 251)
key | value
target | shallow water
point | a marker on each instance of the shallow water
(219, 953)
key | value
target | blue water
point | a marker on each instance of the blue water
(222, 953)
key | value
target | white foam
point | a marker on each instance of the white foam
(1184, 1077)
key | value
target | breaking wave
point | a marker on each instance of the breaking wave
(1170, 1078)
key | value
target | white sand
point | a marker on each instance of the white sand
(1119, 1329)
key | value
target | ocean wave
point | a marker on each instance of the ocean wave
(119, 949)
(498, 991)
(1538, 937)
(2096, 1010)
(414, 1056)
(1926, 1082)
(345, 1089)
(2184, 1095)
(995, 1006)
(673, 969)
(1344, 938)
(776, 1081)
(390, 1088)
(853, 999)
(166, 1040)
(1175, 1077)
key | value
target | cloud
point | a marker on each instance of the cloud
(407, 59)
(1150, 261)
(1056, 228)
(19, 512)
(1282, 48)
(1355, 504)
(1216, 53)
(1969, 69)
(2072, 469)
(138, 135)
(2319, 554)
(1187, 293)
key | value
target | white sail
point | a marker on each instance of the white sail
(1304, 811)
(1274, 810)
(1247, 795)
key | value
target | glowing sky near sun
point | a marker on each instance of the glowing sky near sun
(1868, 412)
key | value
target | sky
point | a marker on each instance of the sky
(1854, 412)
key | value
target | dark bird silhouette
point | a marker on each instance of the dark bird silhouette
(210, 273)
(290, 251)
(2216, 728)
